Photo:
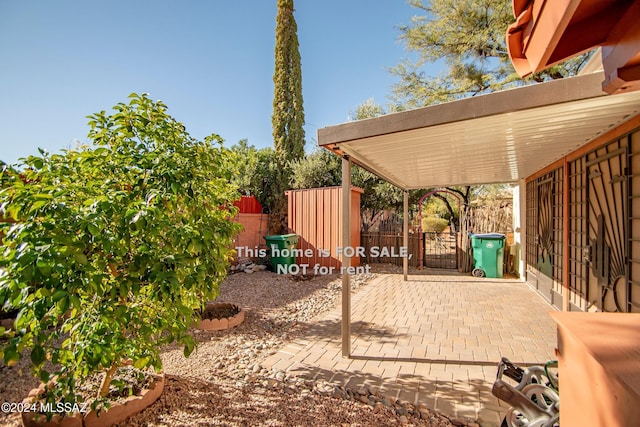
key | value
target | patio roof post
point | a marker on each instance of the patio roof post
(346, 260)
(566, 291)
(405, 233)
(522, 230)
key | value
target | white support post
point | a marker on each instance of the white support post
(346, 260)
(405, 234)
(522, 230)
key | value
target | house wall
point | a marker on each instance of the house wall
(588, 225)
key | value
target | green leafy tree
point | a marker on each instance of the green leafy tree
(244, 165)
(288, 114)
(115, 245)
(255, 172)
(367, 110)
(468, 38)
(320, 168)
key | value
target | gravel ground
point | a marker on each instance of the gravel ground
(222, 382)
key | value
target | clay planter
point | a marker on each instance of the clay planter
(118, 412)
(223, 323)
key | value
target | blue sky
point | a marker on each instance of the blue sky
(210, 61)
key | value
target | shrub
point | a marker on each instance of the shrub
(115, 246)
(434, 224)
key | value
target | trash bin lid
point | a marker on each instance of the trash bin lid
(276, 237)
(489, 236)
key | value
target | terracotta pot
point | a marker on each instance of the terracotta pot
(118, 412)
(221, 324)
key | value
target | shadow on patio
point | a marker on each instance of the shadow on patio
(435, 339)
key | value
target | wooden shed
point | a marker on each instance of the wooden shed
(315, 216)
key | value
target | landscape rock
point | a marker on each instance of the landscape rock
(225, 371)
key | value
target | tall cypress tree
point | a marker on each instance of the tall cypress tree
(288, 114)
(287, 120)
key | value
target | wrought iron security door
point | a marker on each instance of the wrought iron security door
(607, 176)
(548, 236)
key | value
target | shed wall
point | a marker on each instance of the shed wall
(315, 216)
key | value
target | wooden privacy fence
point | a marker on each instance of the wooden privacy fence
(248, 205)
(491, 217)
(386, 245)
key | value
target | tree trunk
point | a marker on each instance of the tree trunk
(106, 381)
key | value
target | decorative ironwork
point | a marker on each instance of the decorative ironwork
(441, 250)
(578, 234)
(600, 254)
(603, 228)
(545, 226)
(544, 246)
(607, 172)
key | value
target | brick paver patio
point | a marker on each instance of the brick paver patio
(435, 339)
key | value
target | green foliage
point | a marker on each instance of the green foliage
(245, 164)
(434, 224)
(115, 245)
(265, 178)
(434, 206)
(468, 37)
(255, 172)
(319, 168)
(368, 109)
(324, 169)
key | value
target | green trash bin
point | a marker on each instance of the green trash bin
(281, 248)
(488, 254)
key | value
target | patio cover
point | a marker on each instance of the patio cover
(500, 137)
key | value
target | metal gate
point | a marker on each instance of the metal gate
(440, 250)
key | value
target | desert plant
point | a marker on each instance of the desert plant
(115, 245)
